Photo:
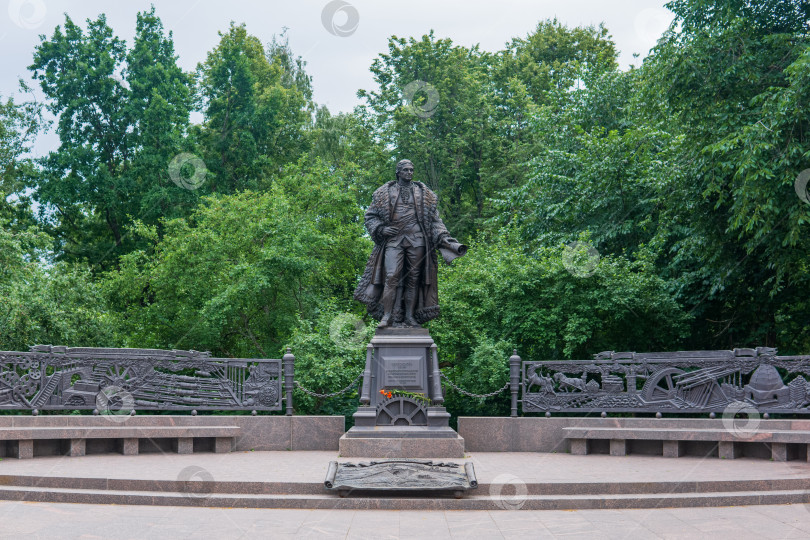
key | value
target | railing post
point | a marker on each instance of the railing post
(514, 380)
(288, 362)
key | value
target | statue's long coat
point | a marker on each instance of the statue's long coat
(380, 215)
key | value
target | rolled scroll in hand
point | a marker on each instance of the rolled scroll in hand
(451, 249)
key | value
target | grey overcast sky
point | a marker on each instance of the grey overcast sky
(339, 48)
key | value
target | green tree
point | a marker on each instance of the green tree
(40, 303)
(116, 135)
(463, 116)
(433, 107)
(550, 68)
(346, 142)
(160, 100)
(293, 68)
(611, 183)
(243, 270)
(501, 297)
(256, 105)
(553, 60)
(727, 84)
(19, 124)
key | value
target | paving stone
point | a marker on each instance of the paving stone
(423, 524)
(103, 521)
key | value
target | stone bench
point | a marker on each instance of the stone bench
(21, 439)
(729, 444)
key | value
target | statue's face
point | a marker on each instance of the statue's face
(406, 173)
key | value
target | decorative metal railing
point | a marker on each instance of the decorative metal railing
(65, 378)
(674, 382)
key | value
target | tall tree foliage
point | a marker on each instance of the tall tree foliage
(121, 117)
(547, 72)
(48, 303)
(466, 122)
(433, 107)
(553, 60)
(728, 82)
(19, 124)
(160, 99)
(346, 142)
(239, 275)
(256, 105)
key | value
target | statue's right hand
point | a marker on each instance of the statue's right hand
(389, 231)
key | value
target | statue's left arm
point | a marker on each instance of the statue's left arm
(440, 234)
(441, 239)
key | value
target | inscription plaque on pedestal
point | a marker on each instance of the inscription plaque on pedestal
(405, 372)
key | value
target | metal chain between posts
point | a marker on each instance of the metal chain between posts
(470, 394)
(333, 394)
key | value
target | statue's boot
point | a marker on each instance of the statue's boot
(389, 295)
(385, 321)
(410, 305)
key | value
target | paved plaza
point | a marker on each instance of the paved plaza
(529, 467)
(47, 521)
(24, 519)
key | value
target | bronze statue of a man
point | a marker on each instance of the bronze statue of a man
(399, 284)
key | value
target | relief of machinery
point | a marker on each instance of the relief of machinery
(51, 377)
(685, 381)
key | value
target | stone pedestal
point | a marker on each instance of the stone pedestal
(402, 359)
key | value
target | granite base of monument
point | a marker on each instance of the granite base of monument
(401, 447)
(402, 413)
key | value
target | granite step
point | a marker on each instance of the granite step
(317, 488)
(378, 502)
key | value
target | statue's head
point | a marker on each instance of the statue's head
(405, 169)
